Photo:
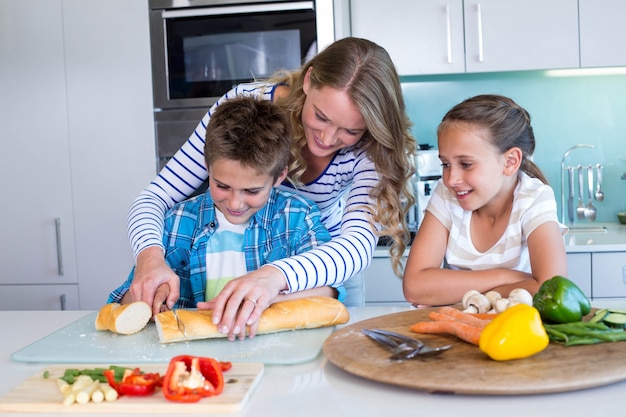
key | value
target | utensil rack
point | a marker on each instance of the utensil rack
(564, 170)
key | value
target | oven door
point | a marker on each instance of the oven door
(199, 53)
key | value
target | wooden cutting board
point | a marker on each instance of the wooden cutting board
(42, 395)
(464, 369)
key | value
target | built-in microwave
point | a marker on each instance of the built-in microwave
(202, 48)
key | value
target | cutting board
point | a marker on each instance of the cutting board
(42, 395)
(464, 369)
(80, 342)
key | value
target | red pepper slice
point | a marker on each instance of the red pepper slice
(191, 378)
(134, 383)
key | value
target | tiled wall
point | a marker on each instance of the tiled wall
(565, 111)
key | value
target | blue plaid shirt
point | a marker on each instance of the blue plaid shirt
(287, 225)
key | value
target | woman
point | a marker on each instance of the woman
(351, 154)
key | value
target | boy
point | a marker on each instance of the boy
(242, 221)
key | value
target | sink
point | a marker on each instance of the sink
(587, 229)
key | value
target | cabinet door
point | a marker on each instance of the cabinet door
(109, 95)
(579, 271)
(34, 159)
(509, 35)
(602, 33)
(421, 36)
(382, 286)
(609, 274)
(39, 297)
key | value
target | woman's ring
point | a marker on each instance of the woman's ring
(251, 300)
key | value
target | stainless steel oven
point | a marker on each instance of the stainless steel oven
(200, 49)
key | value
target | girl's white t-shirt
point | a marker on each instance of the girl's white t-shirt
(533, 205)
(225, 258)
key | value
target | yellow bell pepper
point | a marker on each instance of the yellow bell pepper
(515, 333)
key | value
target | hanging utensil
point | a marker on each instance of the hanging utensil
(580, 210)
(599, 194)
(570, 199)
(590, 211)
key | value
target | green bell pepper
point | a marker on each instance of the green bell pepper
(559, 300)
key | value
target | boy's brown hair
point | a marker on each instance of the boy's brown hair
(257, 133)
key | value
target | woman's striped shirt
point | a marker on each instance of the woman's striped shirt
(341, 192)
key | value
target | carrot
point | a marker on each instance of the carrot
(463, 331)
(484, 316)
(463, 317)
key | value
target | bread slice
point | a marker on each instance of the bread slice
(301, 313)
(124, 319)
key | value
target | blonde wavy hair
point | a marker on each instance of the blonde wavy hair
(366, 73)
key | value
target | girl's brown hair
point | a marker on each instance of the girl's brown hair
(508, 124)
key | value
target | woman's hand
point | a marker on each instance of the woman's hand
(243, 300)
(151, 273)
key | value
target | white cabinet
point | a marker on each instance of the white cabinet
(609, 274)
(579, 271)
(109, 94)
(77, 145)
(602, 33)
(456, 36)
(36, 215)
(508, 35)
(39, 297)
(422, 36)
(382, 286)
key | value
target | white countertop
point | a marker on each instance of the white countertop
(577, 240)
(318, 388)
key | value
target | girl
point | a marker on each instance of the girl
(492, 217)
(351, 154)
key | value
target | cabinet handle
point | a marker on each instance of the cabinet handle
(449, 33)
(480, 34)
(57, 223)
(62, 300)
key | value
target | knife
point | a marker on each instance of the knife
(570, 199)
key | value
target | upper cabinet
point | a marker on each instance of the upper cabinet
(602, 33)
(457, 36)
(422, 37)
(511, 35)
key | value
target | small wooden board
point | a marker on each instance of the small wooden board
(464, 369)
(41, 395)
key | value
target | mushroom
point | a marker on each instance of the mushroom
(502, 304)
(520, 296)
(493, 296)
(468, 295)
(476, 303)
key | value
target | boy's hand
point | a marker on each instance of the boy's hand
(151, 273)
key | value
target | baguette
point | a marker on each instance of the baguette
(300, 313)
(124, 319)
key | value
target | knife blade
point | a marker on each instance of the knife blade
(570, 199)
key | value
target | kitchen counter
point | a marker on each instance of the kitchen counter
(576, 240)
(580, 240)
(319, 388)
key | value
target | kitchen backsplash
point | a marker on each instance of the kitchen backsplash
(565, 110)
